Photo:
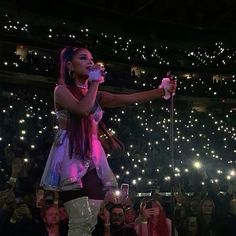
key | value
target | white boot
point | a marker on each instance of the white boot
(95, 207)
(81, 221)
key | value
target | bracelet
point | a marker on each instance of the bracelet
(144, 222)
(12, 179)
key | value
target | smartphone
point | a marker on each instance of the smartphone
(19, 201)
(124, 190)
(39, 197)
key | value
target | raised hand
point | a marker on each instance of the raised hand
(96, 73)
(17, 166)
(169, 84)
(106, 214)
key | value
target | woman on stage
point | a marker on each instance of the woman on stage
(77, 165)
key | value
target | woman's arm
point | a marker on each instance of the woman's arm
(110, 100)
(64, 98)
(107, 231)
(141, 226)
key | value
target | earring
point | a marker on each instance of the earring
(71, 74)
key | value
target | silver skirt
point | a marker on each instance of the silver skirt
(63, 172)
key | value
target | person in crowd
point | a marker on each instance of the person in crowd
(15, 213)
(99, 227)
(194, 206)
(216, 193)
(207, 222)
(230, 220)
(111, 198)
(21, 221)
(130, 216)
(114, 222)
(181, 207)
(63, 218)
(77, 165)
(7, 204)
(152, 220)
(63, 215)
(190, 227)
(51, 222)
(186, 215)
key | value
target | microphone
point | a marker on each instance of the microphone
(96, 72)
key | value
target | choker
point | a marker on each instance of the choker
(80, 85)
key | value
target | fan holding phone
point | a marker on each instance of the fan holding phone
(152, 220)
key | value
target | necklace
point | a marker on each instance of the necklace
(81, 85)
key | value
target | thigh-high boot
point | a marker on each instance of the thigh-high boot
(95, 207)
(80, 217)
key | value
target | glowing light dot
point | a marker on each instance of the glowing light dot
(197, 164)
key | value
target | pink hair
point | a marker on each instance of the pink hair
(161, 228)
(79, 128)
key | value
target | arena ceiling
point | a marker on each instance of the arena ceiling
(192, 13)
(212, 14)
(169, 19)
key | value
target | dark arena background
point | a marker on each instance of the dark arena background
(138, 41)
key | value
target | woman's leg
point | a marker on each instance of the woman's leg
(94, 207)
(81, 218)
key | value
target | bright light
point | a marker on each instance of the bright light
(197, 164)
(228, 177)
(117, 192)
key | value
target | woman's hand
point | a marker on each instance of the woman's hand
(169, 86)
(17, 166)
(96, 74)
(22, 211)
(106, 216)
(112, 197)
(25, 211)
(143, 211)
(146, 213)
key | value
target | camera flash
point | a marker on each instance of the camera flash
(117, 193)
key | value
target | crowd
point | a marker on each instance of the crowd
(27, 116)
(43, 63)
(27, 210)
(26, 134)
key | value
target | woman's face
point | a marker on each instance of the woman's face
(129, 216)
(80, 64)
(207, 207)
(52, 216)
